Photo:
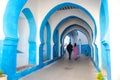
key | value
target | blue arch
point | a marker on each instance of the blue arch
(63, 5)
(10, 20)
(47, 42)
(69, 28)
(32, 36)
(65, 19)
(104, 27)
(10, 28)
(32, 24)
(104, 19)
(56, 34)
(62, 35)
(58, 7)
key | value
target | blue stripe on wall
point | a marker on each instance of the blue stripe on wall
(1, 45)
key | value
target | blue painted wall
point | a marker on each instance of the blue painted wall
(32, 36)
(43, 42)
(1, 45)
(86, 50)
(10, 28)
(105, 37)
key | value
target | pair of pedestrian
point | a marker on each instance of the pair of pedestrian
(71, 48)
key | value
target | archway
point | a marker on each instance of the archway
(27, 41)
(57, 8)
(56, 34)
(11, 36)
(73, 28)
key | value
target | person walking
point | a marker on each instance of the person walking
(69, 49)
(76, 51)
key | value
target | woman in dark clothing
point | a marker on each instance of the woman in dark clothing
(69, 49)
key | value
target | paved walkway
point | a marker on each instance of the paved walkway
(81, 69)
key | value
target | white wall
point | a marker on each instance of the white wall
(23, 45)
(114, 24)
(83, 38)
(2, 9)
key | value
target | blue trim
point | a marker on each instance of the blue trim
(32, 24)
(1, 46)
(97, 56)
(56, 44)
(97, 68)
(10, 28)
(32, 36)
(104, 28)
(11, 16)
(43, 42)
(41, 53)
(106, 58)
(48, 41)
(32, 52)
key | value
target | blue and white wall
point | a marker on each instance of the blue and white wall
(23, 45)
(46, 19)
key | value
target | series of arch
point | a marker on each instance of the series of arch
(10, 26)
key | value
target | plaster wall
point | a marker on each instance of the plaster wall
(114, 23)
(2, 9)
(23, 45)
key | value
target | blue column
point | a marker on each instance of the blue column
(32, 52)
(1, 44)
(41, 54)
(9, 57)
(48, 50)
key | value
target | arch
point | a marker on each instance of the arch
(55, 9)
(32, 36)
(32, 24)
(63, 5)
(56, 34)
(47, 42)
(10, 20)
(79, 27)
(65, 19)
(10, 28)
(66, 32)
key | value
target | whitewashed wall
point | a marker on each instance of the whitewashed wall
(114, 24)
(23, 45)
(2, 9)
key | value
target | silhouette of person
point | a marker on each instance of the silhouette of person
(69, 49)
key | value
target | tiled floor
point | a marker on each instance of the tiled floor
(81, 69)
